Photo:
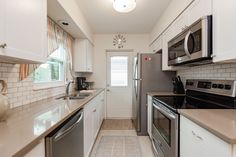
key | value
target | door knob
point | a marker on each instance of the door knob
(108, 90)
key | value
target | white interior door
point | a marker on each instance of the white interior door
(119, 85)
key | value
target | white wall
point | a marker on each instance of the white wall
(172, 11)
(103, 42)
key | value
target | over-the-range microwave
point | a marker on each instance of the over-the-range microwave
(193, 46)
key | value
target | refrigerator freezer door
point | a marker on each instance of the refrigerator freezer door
(136, 92)
(153, 80)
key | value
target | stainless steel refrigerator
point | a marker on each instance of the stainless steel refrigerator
(147, 77)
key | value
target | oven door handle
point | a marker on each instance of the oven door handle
(186, 44)
(166, 113)
(154, 147)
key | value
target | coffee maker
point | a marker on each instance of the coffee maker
(81, 83)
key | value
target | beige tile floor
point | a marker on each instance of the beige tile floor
(106, 131)
(117, 124)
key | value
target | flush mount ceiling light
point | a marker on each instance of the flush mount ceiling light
(124, 6)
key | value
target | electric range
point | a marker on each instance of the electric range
(200, 94)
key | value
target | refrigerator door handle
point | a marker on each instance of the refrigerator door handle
(137, 79)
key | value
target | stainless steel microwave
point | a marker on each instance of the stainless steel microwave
(194, 45)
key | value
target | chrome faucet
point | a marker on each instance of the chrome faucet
(68, 87)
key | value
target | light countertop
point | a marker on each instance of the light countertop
(27, 125)
(164, 94)
(221, 123)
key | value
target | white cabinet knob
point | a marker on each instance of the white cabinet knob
(3, 46)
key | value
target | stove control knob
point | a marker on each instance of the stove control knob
(227, 87)
(214, 85)
(221, 86)
(189, 83)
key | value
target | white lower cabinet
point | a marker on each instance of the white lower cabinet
(37, 151)
(149, 115)
(196, 141)
(93, 117)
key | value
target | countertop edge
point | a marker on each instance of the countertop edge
(208, 128)
(28, 147)
(164, 94)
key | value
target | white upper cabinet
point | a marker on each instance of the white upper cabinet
(83, 56)
(2, 17)
(90, 57)
(198, 9)
(224, 29)
(23, 31)
(156, 45)
(180, 24)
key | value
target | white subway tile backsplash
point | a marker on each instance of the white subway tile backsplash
(21, 92)
(210, 71)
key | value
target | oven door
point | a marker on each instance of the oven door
(193, 44)
(165, 130)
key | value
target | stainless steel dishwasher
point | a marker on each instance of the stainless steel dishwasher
(67, 140)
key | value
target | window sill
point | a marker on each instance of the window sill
(40, 86)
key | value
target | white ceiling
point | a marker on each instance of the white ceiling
(104, 19)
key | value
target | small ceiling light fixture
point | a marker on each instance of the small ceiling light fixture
(124, 6)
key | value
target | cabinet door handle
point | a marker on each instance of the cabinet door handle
(94, 110)
(197, 136)
(3, 46)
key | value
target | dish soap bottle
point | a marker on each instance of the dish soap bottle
(4, 106)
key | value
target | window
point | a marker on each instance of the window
(53, 70)
(119, 71)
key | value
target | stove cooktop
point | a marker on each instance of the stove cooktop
(203, 94)
(196, 102)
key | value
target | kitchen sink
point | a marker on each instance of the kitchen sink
(74, 97)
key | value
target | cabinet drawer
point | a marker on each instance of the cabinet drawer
(206, 139)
